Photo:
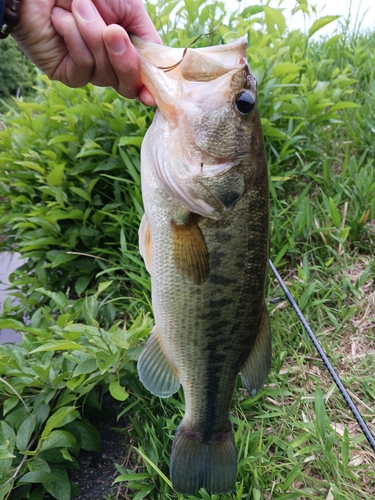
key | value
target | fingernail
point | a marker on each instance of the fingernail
(86, 9)
(116, 43)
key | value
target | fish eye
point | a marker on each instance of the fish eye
(245, 102)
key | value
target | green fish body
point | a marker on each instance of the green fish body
(204, 238)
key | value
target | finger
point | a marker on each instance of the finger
(139, 23)
(131, 15)
(124, 60)
(76, 63)
(91, 25)
(146, 97)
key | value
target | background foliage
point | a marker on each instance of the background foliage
(17, 73)
(71, 205)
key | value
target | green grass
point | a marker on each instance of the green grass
(297, 438)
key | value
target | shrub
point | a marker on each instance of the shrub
(71, 202)
(17, 73)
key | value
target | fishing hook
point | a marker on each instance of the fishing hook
(169, 68)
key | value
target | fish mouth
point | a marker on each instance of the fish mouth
(200, 64)
(170, 73)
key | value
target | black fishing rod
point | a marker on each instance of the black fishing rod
(366, 431)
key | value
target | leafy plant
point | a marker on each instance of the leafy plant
(48, 385)
(17, 73)
(69, 184)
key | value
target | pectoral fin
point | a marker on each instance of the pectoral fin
(144, 234)
(190, 251)
(255, 370)
(155, 370)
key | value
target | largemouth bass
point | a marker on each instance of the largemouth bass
(204, 238)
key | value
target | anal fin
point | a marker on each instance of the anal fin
(255, 370)
(190, 251)
(155, 371)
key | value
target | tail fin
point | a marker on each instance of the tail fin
(197, 464)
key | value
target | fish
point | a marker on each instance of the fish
(204, 238)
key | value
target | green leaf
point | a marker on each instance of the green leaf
(334, 213)
(38, 464)
(9, 403)
(87, 366)
(41, 412)
(294, 473)
(4, 453)
(55, 177)
(4, 490)
(62, 138)
(58, 419)
(320, 413)
(11, 324)
(344, 105)
(130, 166)
(38, 243)
(58, 439)
(285, 68)
(130, 140)
(104, 285)
(117, 391)
(119, 338)
(344, 233)
(38, 493)
(59, 297)
(129, 475)
(81, 193)
(82, 283)
(306, 296)
(32, 165)
(59, 489)
(143, 493)
(38, 476)
(86, 434)
(333, 40)
(345, 449)
(25, 432)
(320, 23)
(58, 345)
(251, 11)
(7, 434)
(155, 467)
(65, 453)
(274, 17)
(74, 382)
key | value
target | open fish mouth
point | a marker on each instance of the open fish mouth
(170, 73)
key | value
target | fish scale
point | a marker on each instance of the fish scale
(204, 238)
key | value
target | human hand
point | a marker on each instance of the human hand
(81, 41)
